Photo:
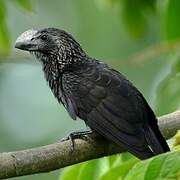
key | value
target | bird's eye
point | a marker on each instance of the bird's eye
(44, 37)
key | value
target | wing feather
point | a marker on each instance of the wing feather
(110, 105)
(111, 132)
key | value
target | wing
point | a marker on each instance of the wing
(110, 105)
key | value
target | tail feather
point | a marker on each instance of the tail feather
(146, 153)
(155, 139)
(152, 133)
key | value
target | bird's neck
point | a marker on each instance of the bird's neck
(54, 69)
(52, 76)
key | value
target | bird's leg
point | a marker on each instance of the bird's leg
(81, 134)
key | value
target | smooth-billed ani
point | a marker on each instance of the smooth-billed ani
(91, 90)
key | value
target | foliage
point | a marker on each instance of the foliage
(5, 40)
(134, 14)
(172, 29)
(165, 166)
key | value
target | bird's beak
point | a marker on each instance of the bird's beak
(26, 41)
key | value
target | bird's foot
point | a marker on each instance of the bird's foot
(81, 134)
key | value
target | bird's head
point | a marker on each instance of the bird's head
(51, 45)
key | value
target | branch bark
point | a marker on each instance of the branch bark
(59, 155)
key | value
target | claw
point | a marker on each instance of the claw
(73, 135)
(70, 138)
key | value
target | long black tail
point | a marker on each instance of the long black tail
(155, 139)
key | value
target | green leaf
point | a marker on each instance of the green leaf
(93, 169)
(168, 96)
(71, 172)
(172, 27)
(120, 170)
(25, 4)
(88, 170)
(135, 14)
(137, 172)
(114, 160)
(133, 19)
(126, 156)
(160, 167)
(154, 168)
(101, 168)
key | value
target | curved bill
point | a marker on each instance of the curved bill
(25, 41)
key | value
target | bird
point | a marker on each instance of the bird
(92, 91)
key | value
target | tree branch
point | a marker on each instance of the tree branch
(59, 155)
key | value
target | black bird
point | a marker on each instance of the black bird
(91, 90)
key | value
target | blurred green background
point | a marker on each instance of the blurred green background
(140, 38)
